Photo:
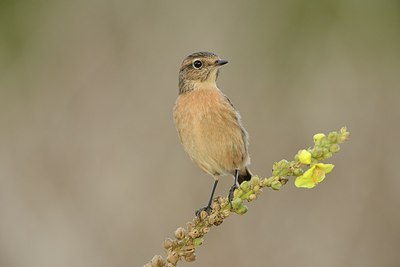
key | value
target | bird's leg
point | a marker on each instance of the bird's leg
(208, 207)
(234, 186)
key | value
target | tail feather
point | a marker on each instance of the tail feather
(245, 176)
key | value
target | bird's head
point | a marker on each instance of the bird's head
(199, 70)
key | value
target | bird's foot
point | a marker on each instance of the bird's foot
(231, 191)
(207, 209)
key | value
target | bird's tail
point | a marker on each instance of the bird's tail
(244, 175)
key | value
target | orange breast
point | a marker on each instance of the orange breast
(210, 131)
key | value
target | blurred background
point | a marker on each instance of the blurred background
(91, 169)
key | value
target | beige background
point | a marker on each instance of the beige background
(92, 173)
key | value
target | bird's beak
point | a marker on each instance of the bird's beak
(221, 62)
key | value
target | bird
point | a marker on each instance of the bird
(208, 124)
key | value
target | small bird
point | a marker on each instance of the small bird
(209, 126)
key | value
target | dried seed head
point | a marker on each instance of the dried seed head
(190, 226)
(205, 230)
(190, 257)
(212, 218)
(194, 233)
(168, 243)
(180, 233)
(216, 206)
(222, 201)
(157, 261)
(225, 213)
(189, 249)
(203, 215)
(173, 257)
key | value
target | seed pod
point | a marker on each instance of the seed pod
(173, 257)
(212, 218)
(194, 233)
(180, 233)
(157, 261)
(190, 257)
(168, 243)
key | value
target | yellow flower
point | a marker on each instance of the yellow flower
(305, 157)
(313, 175)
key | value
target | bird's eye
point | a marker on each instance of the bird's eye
(197, 64)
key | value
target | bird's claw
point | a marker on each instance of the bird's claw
(231, 191)
(207, 209)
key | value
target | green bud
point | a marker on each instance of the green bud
(237, 193)
(332, 137)
(298, 171)
(266, 182)
(318, 137)
(198, 241)
(236, 203)
(245, 186)
(334, 148)
(252, 197)
(241, 210)
(317, 152)
(276, 185)
(324, 142)
(255, 180)
(281, 168)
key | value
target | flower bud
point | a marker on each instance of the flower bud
(241, 210)
(304, 156)
(255, 180)
(334, 148)
(198, 241)
(252, 197)
(332, 136)
(276, 185)
(245, 186)
(318, 137)
(237, 193)
(236, 203)
(298, 171)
